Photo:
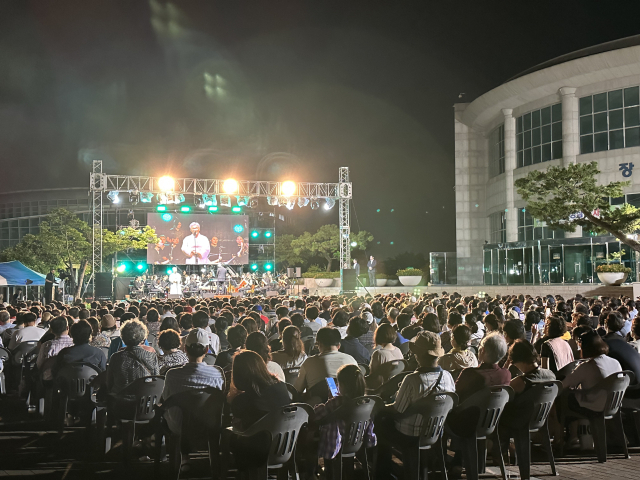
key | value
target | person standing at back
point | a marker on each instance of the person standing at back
(371, 266)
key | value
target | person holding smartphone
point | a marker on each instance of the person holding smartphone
(350, 385)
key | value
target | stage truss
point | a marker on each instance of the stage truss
(101, 183)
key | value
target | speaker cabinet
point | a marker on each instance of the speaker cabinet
(348, 280)
(104, 286)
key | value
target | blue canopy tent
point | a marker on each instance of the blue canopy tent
(15, 273)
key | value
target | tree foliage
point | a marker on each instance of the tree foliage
(564, 197)
(285, 256)
(325, 243)
(65, 241)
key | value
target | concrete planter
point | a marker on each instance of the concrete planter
(392, 282)
(410, 280)
(381, 282)
(324, 282)
(612, 278)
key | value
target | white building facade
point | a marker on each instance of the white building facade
(581, 107)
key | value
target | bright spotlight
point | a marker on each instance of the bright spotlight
(213, 209)
(236, 209)
(268, 267)
(113, 196)
(315, 204)
(121, 268)
(254, 266)
(166, 183)
(288, 188)
(330, 202)
(268, 234)
(230, 186)
(354, 244)
(162, 208)
(141, 266)
(303, 202)
(255, 234)
(185, 209)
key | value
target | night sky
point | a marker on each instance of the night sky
(274, 90)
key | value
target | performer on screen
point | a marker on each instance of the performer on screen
(242, 247)
(196, 246)
(160, 255)
(176, 282)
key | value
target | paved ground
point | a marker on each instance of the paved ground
(28, 450)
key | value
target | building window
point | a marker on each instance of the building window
(539, 136)
(531, 229)
(610, 120)
(498, 226)
(496, 151)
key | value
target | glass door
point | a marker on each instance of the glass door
(555, 264)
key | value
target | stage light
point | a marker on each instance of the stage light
(166, 183)
(303, 202)
(134, 198)
(213, 209)
(282, 201)
(273, 201)
(268, 267)
(167, 217)
(330, 202)
(288, 188)
(268, 234)
(243, 201)
(253, 202)
(121, 268)
(230, 186)
(203, 269)
(162, 198)
(254, 266)
(225, 200)
(255, 234)
(161, 208)
(236, 209)
(354, 244)
(238, 228)
(141, 266)
(146, 197)
(169, 271)
(179, 198)
(185, 209)
(291, 203)
(113, 196)
(315, 204)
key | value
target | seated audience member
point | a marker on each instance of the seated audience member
(460, 356)
(312, 320)
(98, 339)
(367, 338)
(619, 349)
(351, 385)
(384, 338)
(476, 327)
(172, 356)
(27, 332)
(492, 324)
(317, 368)
(588, 374)
(221, 325)
(525, 358)
(201, 320)
(454, 319)
(254, 391)
(339, 321)
(152, 321)
(555, 352)
(134, 361)
(81, 351)
(351, 345)
(428, 378)
(169, 323)
(194, 375)
(298, 320)
(236, 336)
(292, 353)
(257, 342)
(402, 322)
(493, 348)
(50, 349)
(275, 341)
(635, 333)
(108, 326)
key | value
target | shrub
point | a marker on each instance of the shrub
(382, 276)
(327, 275)
(309, 274)
(314, 269)
(410, 272)
(613, 268)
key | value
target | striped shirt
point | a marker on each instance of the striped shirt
(415, 386)
(49, 350)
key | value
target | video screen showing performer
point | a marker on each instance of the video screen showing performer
(193, 239)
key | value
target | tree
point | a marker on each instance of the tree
(65, 241)
(325, 243)
(564, 197)
(285, 256)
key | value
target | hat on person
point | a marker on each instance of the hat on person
(427, 343)
(368, 317)
(197, 335)
(513, 314)
(257, 308)
(107, 321)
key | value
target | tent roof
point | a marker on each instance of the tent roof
(15, 273)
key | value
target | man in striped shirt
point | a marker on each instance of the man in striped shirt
(48, 351)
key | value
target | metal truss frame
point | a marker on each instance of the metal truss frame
(101, 183)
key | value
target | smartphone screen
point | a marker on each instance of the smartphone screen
(333, 388)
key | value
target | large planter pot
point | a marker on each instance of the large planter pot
(612, 278)
(410, 280)
(381, 282)
(392, 282)
(324, 282)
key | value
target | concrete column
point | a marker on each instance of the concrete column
(509, 167)
(570, 134)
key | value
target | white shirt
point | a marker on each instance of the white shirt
(315, 369)
(24, 335)
(276, 370)
(199, 244)
(214, 340)
(316, 325)
(588, 375)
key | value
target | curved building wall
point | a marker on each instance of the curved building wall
(583, 110)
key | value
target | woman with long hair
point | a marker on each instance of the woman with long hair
(292, 353)
(257, 342)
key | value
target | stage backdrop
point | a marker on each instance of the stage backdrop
(196, 239)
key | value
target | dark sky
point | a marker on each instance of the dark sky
(274, 90)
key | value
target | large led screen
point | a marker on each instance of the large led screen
(196, 239)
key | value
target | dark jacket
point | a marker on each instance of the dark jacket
(353, 347)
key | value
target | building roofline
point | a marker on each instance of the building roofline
(14, 192)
